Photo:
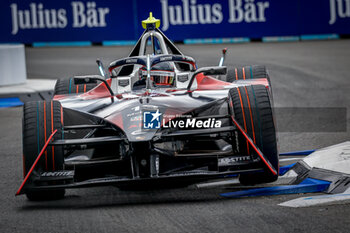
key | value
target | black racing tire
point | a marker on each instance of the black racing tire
(251, 107)
(40, 119)
(67, 86)
(247, 72)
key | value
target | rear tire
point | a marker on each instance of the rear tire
(67, 86)
(251, 107)
(40, 119)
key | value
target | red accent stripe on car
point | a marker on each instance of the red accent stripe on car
(243, 73)
(35, 163)
(84, 88)
(236, 73)
(77, 91)
(266, 162)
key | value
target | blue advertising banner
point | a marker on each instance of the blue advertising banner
(34, 20)
(324, 16)
(29, 21)
(230, 18)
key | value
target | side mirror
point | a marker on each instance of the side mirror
(211, 70)
(101, 68)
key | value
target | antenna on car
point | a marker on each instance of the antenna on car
(101, 68)
(222, 59)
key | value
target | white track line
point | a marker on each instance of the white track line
(340, 198)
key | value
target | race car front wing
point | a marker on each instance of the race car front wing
(66, 177)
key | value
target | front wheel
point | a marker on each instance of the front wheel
(40, 119)
(67, 86)
(246, 73)
(251, 107)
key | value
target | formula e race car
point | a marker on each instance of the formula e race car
(152, 120)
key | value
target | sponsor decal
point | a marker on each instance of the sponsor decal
(36, 16)
(123, 82)
(182, 78)
(191, 13)
(338, 9)
(133, 114)
(134, 60)
(137, 132)
(150, 107)
(169, 58)
(228, 161)
(136, 118)
(137, 108)
(57, 173)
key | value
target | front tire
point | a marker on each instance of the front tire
(251, 107)
(40, 119)
(246, 73)
(67, 86)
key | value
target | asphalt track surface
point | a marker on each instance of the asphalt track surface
(303, 74)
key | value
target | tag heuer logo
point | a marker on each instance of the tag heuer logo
(151, 120)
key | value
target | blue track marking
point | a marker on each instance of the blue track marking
(217, 40)
(302, 152)
(10, 102)
(280, 38)
(282, 170)
(320, 37)
(306, 186)
(327, 196)
(285, 169)
(118, 42)
(62, 44)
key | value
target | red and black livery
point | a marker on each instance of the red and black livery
(92, 132)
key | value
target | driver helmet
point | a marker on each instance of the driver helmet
(162, 74)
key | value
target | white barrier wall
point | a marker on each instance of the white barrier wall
(12, 64)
